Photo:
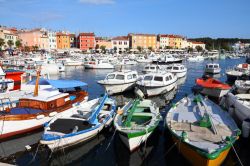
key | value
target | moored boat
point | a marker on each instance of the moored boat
(242, 86)
(203, 132)
(119, 81)
(212, 68)
(33, 110)
(213, 87)
(81, 125)
(177, 69)
(136, 121)
(153, 84)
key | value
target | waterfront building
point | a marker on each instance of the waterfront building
(8, 34)
(201, 44)
(73, 41)
(62, 40)
(86, 41)
(163, 40)
(175, 41)
(52, 40)
(144, 41)
(120, 43)
(101, 41)
(35, 37)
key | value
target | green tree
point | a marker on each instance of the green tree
(103, 48)
(190, 49)
(10, 43)
(168, 47)
(160, 47)
(1, 43)
(35, 48)
(18, 44)
(27, 49)
(150, 48)
(199, 48)
(139, 48)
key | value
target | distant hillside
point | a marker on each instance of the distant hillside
(220, 43)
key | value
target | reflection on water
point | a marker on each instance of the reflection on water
(94, 152)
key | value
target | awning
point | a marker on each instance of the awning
(59, 84)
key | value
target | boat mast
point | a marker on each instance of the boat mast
(37, 81)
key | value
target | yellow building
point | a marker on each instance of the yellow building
(62, 40)
(144, 41)
(175, 41)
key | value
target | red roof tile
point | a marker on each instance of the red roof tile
(120, 38)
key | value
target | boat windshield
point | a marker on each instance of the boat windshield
(175, 68)
(147, 67)
(152, 68)
(119, 77)
(110, 76)
(158, 78)
(148, 78)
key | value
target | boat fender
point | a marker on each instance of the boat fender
(40, 117)
(184, 136)
(52, 114)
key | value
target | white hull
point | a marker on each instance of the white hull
(214, 92)
(113, 89)
(154, 91)
(102, 66)
(133, 143)
(180, 74)
(69, 141)
(212, 71)
(241, 110)
(73, 64)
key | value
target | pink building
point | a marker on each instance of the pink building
(35, 37)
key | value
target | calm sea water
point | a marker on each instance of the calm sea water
(107, 148)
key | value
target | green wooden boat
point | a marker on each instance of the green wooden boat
(136, 121)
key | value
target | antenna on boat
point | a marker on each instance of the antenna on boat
(38, 72)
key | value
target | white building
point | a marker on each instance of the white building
(52, 40)
(163, 40)
(201, 44)
(121, 43)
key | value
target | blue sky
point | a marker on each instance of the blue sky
(191, 18)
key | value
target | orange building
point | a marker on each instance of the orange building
(86, 41)
(103, 42)
(142, 40)
(175, 41)
(62, 40)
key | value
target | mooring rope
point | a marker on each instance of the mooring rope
(237, 155)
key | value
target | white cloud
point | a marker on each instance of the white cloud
(98, 2)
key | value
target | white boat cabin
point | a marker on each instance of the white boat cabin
(212, 66)
(176, 68)
(151, 68)
(158, 79)
(122, 76)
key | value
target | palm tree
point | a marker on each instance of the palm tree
(1, 43)
(10, 43)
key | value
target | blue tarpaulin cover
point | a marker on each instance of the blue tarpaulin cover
(60, 84)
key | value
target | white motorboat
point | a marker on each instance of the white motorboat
(241, 71)
(177, 69)
(212, 68)
(242, 86)
(153, 84)
(119, 81)
(197, 58)
(168, 59)
(98, 64)
(142, 59)
(126, 61)
(71, 62)
(150, 68)
(237, 105)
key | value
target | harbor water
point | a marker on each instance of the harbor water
(107, 148)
